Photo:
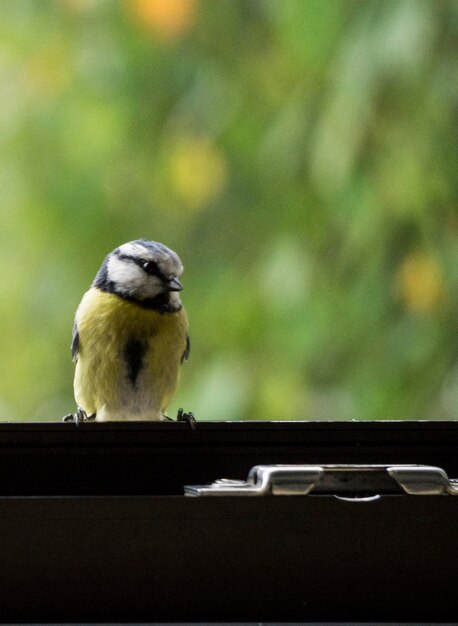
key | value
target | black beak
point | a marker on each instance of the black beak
(174, 285)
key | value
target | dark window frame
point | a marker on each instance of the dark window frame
(93, 526)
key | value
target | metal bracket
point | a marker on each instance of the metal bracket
(346, 480)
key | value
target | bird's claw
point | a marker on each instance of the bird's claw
(79, 416)
(187, 417)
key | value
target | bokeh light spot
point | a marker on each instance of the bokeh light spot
(198, 171)
(420, 283)
(168, 19)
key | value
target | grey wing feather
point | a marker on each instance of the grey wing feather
(187, 350)
(75, 342)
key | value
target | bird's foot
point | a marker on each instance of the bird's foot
(187, 417)
(79, 416)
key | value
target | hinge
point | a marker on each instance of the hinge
(341, 480)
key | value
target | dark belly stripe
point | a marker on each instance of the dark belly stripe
(134, 352)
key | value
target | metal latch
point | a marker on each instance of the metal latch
(343, 480)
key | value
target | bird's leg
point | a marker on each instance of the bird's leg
(187, 417)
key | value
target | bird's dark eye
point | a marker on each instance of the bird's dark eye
(151, 267)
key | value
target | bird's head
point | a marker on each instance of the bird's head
(146, 272)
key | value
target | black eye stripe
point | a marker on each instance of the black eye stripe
(150, 267)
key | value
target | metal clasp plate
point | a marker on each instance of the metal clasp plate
(346, 480)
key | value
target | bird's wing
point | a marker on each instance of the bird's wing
(75, 342)
(187, 350)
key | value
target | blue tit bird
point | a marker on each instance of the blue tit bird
(130, 336)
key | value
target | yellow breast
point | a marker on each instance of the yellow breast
(128, 359)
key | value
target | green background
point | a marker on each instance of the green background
(299, 155)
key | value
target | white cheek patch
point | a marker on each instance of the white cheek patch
(174, 299)
(132, 279)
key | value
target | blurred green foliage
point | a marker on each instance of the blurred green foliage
(299, 155)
